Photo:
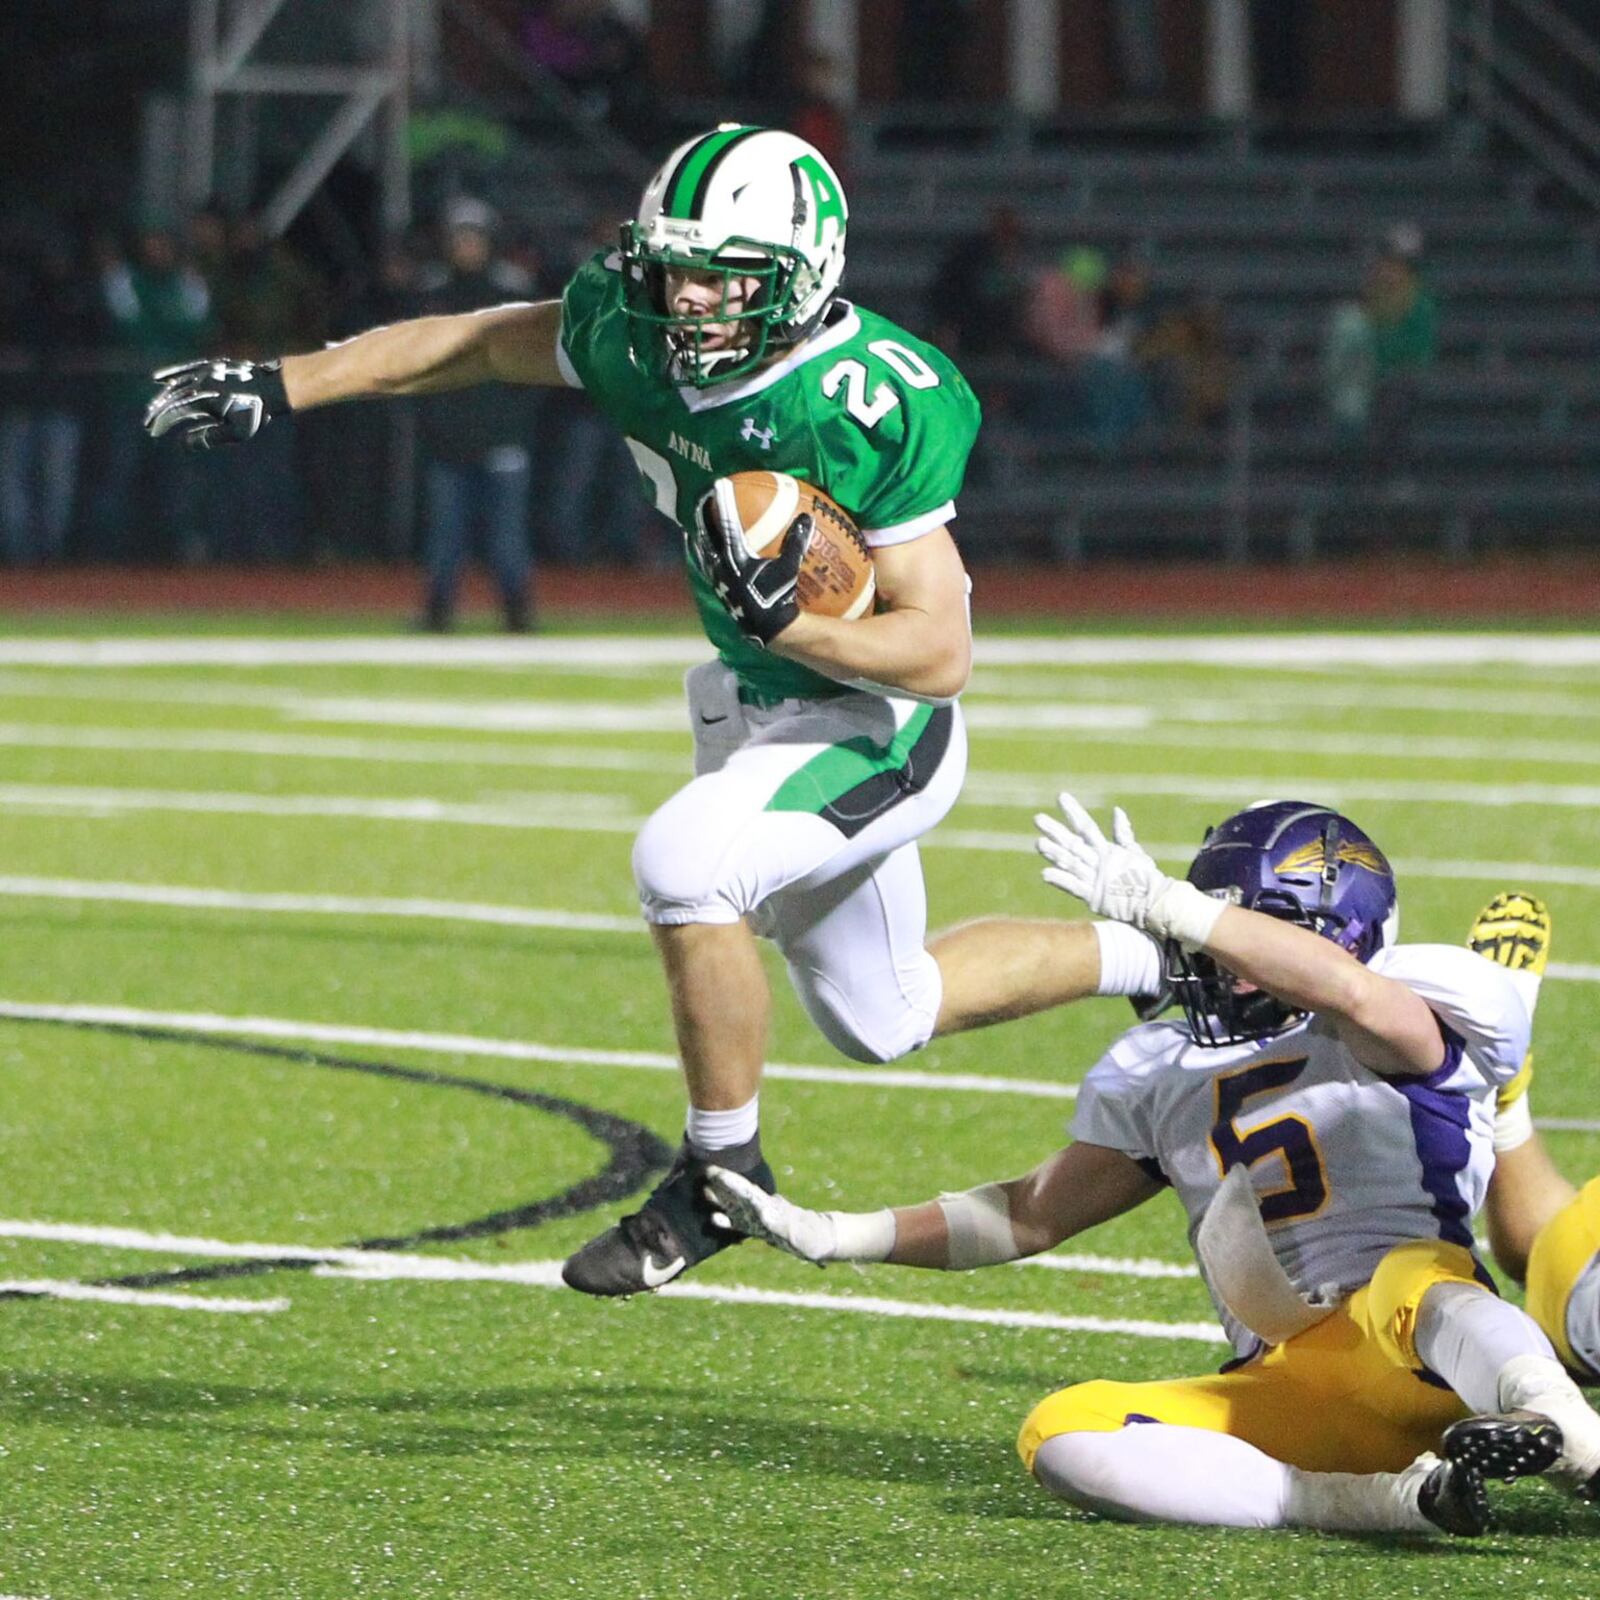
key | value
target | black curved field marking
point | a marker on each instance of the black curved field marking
(635, 1153)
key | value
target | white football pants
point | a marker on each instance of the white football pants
(803, 817)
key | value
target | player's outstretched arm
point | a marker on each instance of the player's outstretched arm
(504, 344)
(1075, 1189)
(1386, 1025)
(919, 640)
(220, 401)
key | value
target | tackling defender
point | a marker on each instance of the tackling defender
(1325, 1112)
(1544, 1232)
(716, 340)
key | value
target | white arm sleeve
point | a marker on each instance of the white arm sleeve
(1130, 961)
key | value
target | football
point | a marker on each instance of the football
(836, 577)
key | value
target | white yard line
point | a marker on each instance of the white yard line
(1387, 652)
(180, 1244)
(1574, 971)
(329, 747)
(1262, 733)
(1284, 703)
(400, 1266)
(561, 810)
(1113, 1266)
(461, 1044)
(157, 894)
(70, 1289)
(606, 757)
(1005, 789)
(545, 809)
(186, 897)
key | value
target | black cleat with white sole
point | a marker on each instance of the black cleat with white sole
(671, 1232)
(1507, 1446)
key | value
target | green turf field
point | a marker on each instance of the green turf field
(310, 945)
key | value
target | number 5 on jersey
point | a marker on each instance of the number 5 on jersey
(1289, 1138)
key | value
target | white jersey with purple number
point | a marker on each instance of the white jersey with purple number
(1345, 1163)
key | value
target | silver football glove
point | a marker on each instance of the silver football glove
(216, 402)
(744, 1207)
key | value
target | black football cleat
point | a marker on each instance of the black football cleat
(1454, 1498)
(1505, 1445)
(671, 1232)
(1510, 1445)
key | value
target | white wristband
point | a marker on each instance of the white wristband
(1184, 913)
(1513, 1125)
(862, 1235)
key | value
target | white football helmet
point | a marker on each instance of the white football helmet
(742, 202)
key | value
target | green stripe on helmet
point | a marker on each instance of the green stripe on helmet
(686, 191)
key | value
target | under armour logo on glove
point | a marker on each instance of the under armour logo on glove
(760, 592)
(216, 401)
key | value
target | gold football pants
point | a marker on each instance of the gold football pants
(1347, 1395)
(1565, 1249)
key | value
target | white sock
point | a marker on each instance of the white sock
(1162, 1472)
(1539, 1383)
(1467, 1336)
(722, 1130)
(1360, 1502)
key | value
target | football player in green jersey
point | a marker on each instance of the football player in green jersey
(716, 340)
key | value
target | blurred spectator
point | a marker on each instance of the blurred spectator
(266, 301)
(1124, 301)
(158, 310)
(1061, 319)
(50, 318)
(594, 509)
(1186, 355)
(477, 469)
(360, 461)
(1084, 317)
(595, 53)
(206, 236)
(979, 289)
(1376, 346)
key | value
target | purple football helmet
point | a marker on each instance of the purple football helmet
(1297, 861)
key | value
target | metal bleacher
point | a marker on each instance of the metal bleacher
(1502, 433)
(1503, 441)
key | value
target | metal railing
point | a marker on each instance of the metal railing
(1510, 92)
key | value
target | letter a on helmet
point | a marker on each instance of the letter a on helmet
(738, 203)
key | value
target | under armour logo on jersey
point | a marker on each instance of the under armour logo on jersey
(751, 431)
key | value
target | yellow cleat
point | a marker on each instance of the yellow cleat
(1513, 931)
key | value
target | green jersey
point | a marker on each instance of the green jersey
(880, 420)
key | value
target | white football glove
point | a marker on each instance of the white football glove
(744, 1207)
(1117, 877)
